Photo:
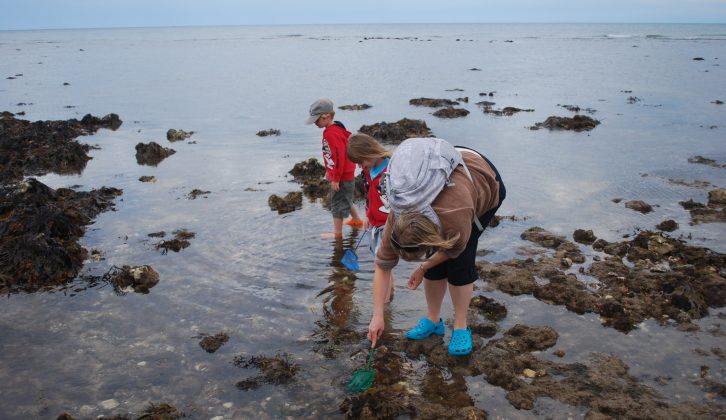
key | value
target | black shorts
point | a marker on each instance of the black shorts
(461, 270)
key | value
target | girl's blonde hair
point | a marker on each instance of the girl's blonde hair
(415, 234)
(362, 146)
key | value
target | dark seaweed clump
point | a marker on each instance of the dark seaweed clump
(277, 370)
(39, 232)
(576, 123)
(395, 133)
(36, 148)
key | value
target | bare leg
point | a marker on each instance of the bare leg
(435, 291)
(338, 227)
(461, 298)
(354, 213)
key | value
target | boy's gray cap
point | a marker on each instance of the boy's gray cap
(318, 108)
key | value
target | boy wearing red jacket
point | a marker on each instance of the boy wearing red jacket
(339, 170)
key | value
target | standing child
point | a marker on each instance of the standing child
(373, 158)
(339, 170)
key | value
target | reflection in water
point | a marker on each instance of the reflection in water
(335, 329)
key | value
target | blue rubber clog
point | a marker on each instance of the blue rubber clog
(425, 328)
(460, 344)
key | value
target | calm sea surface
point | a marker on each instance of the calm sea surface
(258, 276)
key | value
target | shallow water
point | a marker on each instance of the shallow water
(257, 275)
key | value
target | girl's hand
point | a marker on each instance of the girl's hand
(375, 329)
(335, 186)
(416, 278)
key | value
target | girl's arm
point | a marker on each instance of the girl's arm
(418, 274)
(381, 280)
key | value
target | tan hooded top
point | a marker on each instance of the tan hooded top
(455, 205)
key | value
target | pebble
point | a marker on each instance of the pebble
(109, 404)
(217, 418)
(529, 373)
(85, 410)
(228, 405)
(141, 364)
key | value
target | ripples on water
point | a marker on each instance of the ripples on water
(268, 280)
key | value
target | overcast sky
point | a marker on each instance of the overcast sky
(45, 14)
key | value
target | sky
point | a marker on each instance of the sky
(62, 14)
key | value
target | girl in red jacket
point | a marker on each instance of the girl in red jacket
(373, 158)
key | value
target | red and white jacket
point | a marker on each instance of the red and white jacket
(337, 166)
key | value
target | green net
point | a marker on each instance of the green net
(363, 378)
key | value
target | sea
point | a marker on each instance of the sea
(268, 280)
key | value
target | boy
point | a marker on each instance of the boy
(339, 170)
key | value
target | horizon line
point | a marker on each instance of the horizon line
(354, 23)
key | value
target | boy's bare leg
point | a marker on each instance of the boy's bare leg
(338, 227)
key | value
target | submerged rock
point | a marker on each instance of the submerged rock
(152, 153)
(212, 343)
(714, 211)
(576, 123)
(276, 370)
(180, 241)
(395, 133)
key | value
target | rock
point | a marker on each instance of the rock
(270, 132)
(451, 112)
(717, 197)
(291, 202)
(36, 148)
(506, 111)
(576, 123)
(582, 236)
(212, 343)
(40, 229)
(705, 161)
(432, 103)
(667, 225)
(177, 135)
(109, 404)
(180, 241)
(152, 153)
(395, 133)
(196, 192)
(308, 169)
(147, 178)
(140, 278)
(639, 205)
(360, 107)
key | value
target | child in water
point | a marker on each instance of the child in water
(373, 158)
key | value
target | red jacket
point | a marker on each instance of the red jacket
(337, 166)
(374, 204)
